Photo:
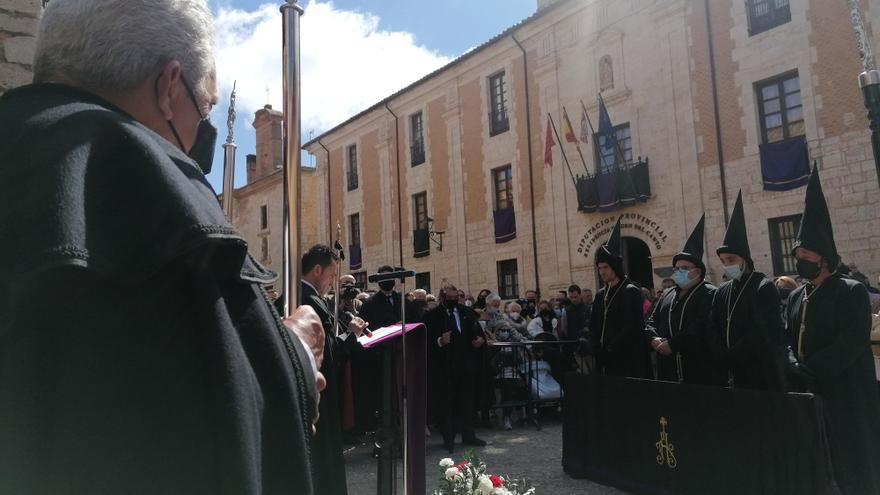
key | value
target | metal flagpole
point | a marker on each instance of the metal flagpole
(869, 81)
(562, 150)
(229, 158)
(291, 13)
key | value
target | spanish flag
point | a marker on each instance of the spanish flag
(566, 128)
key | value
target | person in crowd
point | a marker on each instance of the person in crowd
(513, 315)
(748, 330)
(785, 285)
(545, 321)
(576, 317)
(319, 269)
(363, 296)
(498, 325)
(147, 371)
(455, 331)
(431, 302)
(647, 302)
(678, 329)
(666, 284)
(617, 325)
(829, 326)
(529, 304)
(419, 305)
(480, 302)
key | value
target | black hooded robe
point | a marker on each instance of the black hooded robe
(836, 348)
(138, 351)
(688, 335)
(751, 349)
(618, 340)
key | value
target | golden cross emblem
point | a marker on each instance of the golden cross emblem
(665, 448)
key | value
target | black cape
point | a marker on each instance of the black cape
(688, 335)
(835, 347)
(156, 364)
(617, 341)
(751, 349)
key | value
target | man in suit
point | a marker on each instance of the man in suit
(319, 268)
(456, 331)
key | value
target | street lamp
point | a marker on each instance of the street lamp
(869, 81)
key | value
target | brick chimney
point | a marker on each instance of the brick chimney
(267, 123)
(251, 168)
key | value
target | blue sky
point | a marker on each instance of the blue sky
(344, 42)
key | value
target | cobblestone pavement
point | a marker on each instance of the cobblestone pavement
(522, 452)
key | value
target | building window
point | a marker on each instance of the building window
(352, 168)
(498, 104)
(423, 281)
(360, 280)
(508, 284)
(502, 179)
(766, 14)
(264, 217)
(783, 232)
(420, 209)
(354, 225)
(609, 157)
(264, 250)
(780, 108)
(606, 73)
(417, 138)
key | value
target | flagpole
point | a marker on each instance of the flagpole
(562, 149)
(576, 144)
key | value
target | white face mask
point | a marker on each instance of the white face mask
(514, 315)
(468, 303)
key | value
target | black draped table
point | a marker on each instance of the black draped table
(652, 437)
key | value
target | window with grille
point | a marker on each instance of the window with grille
(360, 280)
(352, 168)
(423, 281)
(783, 233)
(502, 178)
(417, 138)
(610, 156)
(498, 122)
(354, 225)
(767, 14)
(264, 217)
(780, 108)
(420, 210)
(508, 283)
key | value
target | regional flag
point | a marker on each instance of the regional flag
(566, 128)
(585, 130)
(549, 143)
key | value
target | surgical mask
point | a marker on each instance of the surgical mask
(468, 303)
(202, 151)
(680, 277)
(734, 272)
(386, 285)
(514, 315)
(808, 269)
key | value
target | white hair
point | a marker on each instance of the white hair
(492, 297)
(115, 45)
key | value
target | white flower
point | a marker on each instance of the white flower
(446, 462)
(500, 491)
(484, 485)
(453, 474)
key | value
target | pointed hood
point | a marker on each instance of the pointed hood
(693, 248)
(736, 241)
(816, 233)
(610, 251)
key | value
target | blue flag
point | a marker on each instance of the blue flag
(606, 129)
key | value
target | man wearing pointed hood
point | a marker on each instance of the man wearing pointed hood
(678, 328)
(829, 326)
(616, 322)
(748, 330)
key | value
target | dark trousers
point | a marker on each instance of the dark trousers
(458, 406)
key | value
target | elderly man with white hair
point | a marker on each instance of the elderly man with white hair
(160, 365)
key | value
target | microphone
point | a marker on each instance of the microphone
(398, 274)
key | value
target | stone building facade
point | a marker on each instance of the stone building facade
(18, 26)
(653, 63)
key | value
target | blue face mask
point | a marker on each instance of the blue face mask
(733, 272)
(680, 277)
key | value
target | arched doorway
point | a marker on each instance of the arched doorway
(637, 261)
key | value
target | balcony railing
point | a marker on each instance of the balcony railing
(767, 14)
(617, 188)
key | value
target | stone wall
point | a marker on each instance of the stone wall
(18, 26)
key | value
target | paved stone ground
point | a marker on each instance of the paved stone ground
(523, 452)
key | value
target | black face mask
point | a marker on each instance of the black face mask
(808, 269)
(451, 304)
(386, 285)
(783, 293)
(202, 151)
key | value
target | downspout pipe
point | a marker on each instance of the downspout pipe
(531, 167)
(329, 198)
(719, 144)
(399, 192)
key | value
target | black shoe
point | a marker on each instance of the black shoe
(474, 441)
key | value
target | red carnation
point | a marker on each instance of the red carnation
(496, 480)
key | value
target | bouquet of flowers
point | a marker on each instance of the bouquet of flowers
(469, 477)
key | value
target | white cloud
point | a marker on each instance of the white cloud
(348, 63)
